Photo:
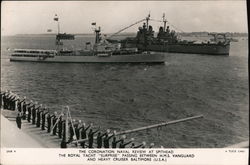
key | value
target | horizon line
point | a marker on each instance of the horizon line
(112, 33)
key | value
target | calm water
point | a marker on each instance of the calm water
(126, 96)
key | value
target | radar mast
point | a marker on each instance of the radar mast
(164, 21)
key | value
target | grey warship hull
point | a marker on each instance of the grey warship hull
(199, 48)
(168, 40)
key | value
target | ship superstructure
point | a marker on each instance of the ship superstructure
(101, 52)
(167, 40)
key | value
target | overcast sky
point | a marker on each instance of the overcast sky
(76, 17)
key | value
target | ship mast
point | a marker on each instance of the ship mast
(58, 24)
(58, 27)
(58, 42)
(164, 21)
(147, 19)
(97, 34)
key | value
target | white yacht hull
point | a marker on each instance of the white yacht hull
(138, 58)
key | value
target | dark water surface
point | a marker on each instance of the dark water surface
(126, 96)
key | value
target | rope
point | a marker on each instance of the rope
(178, 29)
(68, 113)
(126, 28)
(72, 125)
(56, 121)
(156, 20)
(151, 126)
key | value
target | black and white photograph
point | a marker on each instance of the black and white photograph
(122, 75)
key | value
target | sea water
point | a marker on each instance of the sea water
(126, 96)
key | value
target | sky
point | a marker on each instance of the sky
(35, 17)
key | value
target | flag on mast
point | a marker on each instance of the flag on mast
(56, 18)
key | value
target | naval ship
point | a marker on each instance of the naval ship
(168, 41)
(101, 52)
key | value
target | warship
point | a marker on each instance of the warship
(168, 41)
(101, 52)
